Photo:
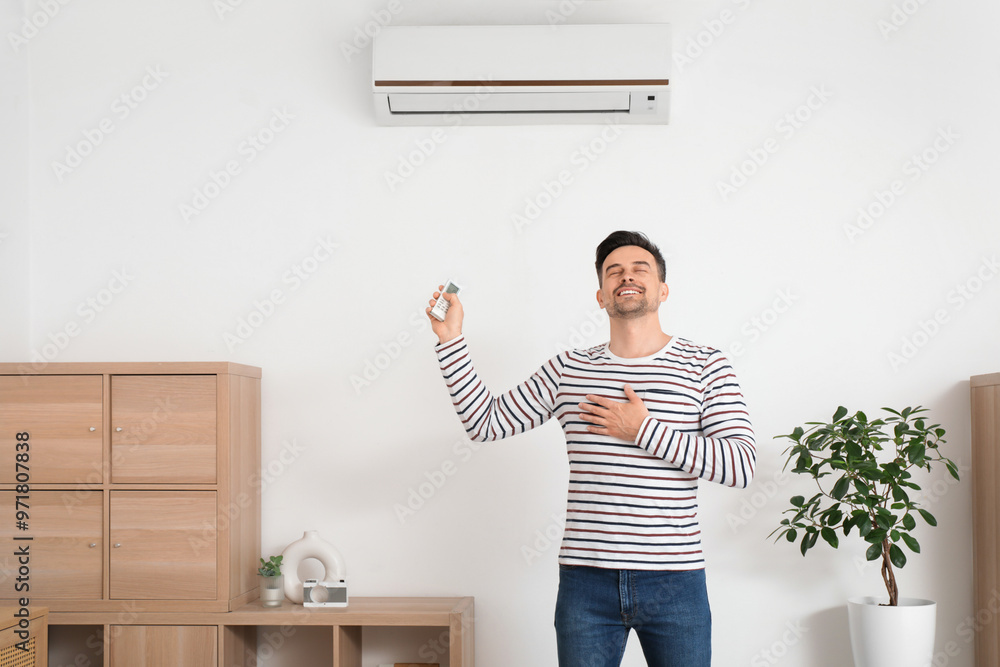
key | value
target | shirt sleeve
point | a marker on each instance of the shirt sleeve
(724, 449)
(487, 417)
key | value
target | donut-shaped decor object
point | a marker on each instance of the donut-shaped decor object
(310, 546)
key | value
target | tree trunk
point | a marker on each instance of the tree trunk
(888, 576)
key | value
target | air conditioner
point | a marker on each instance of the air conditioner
(522, 74)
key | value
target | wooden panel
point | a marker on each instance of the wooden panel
(244, 481)
(168, 545)
(58, 411)
(462, 639)
(347, 646)
(239, 646)
(132, 368)
(164, 646)
(63, 564)
(985, 476)
(12, 645)
(168, 428)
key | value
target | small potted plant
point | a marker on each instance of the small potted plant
(864, 473)
(272, 584)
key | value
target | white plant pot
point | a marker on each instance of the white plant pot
(901, 636)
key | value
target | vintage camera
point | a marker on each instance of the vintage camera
(317, 593)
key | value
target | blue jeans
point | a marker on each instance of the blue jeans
(596, 608)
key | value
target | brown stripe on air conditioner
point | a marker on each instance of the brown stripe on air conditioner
(562, 82)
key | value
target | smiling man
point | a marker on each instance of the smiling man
(646, 417)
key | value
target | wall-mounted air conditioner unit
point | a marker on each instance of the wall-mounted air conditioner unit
(522, 74)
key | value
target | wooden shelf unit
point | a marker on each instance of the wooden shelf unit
(144, 483)
(236, 630)
(985, 398)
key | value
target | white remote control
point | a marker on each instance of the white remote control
(441, 305)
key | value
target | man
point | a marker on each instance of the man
(646, 416)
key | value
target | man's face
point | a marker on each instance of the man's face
(631, 286)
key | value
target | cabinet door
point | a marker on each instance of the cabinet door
(66, 552)
(163, 429)
(64, 415)
(164, 645)
(163, 545)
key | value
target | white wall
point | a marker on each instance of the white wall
(14, 229)
(113, 258)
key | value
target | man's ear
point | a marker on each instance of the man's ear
(664, 292)
(600, 298)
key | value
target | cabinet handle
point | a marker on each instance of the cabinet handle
(93, 544)
(92, 429)
(119, 429)
(117, 544)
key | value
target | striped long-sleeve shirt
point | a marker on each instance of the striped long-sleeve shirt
(630, 505)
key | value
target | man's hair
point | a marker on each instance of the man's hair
(618, 239)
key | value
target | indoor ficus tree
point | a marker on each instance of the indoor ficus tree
(863, 470)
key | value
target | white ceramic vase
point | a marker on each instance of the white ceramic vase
(310, 546)
(900, 636)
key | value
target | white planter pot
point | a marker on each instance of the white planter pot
(901, 636)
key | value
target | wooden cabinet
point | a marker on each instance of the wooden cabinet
(66, 554)
(144, 484)
(163, 429)
(163, 545)
(65, 416)
(164, 645)
(986, 514)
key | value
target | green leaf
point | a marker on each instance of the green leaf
(896, 556)
(830, 537)
(804, 546)
(909, 523)
(839, 414)
(874, 551)
(928, 517)
(876, 536)
(912, 543)
(798, 501)
(791, 535)
(952, 469)
(841, 487)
